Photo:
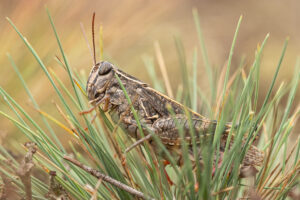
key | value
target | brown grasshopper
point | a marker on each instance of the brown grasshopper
(153, 109)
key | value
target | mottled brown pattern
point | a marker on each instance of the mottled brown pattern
(153, 111)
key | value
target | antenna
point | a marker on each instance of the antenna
(93, 34)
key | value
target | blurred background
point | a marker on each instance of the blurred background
(130, 29)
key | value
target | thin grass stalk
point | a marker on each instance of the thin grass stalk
(184, 73)
(163, 70)
(65, 59)
(43, 134)
(295, 84)
(34, 102)
(195, 84)
(61, 84)
(238, 106)
(34, 53)
(220, 125)
(205, 56)
(148, 62)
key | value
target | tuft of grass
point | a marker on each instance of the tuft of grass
(100, 144)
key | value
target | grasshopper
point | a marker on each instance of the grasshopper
(153, 109)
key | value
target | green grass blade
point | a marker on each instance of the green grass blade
(34, 102)
(65, 59)
(34, 53)
(204, 55)
(195, 84)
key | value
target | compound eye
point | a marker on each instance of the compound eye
(104, 68)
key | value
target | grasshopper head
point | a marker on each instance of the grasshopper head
(98, 81)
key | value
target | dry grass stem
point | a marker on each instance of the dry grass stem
(163, 70)
(108, 179)
(25, 168)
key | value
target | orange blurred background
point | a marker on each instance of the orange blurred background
(130, 29)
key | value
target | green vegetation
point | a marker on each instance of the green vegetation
(101, 145)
